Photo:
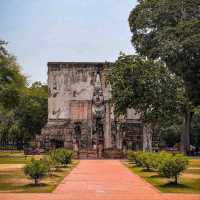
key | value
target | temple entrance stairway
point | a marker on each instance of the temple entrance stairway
(94, 154)
(87, 154)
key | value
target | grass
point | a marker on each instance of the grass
(16, 157)
(12, 178)
(193, 171)
(194, 167)
(189, 181)
(195, 162)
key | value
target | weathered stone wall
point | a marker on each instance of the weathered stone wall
(71, 90)
(78, 92)
(68, 83)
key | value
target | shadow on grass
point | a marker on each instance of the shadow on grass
(59, 170)
(62, 166)
(155, 176)
(147, 170)
(7, 186)
(176, 186)
(54, 176)
(32, 185)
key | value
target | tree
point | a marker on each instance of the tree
(171, 135)
(31, 112)
(12, 83)
(23, 109)
(36, 170)
(195, 136)
(148, 87)
(3, 51)
(169, 30)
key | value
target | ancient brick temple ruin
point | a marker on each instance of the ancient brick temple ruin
(80, 114)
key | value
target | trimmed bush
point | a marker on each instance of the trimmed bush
(160, 158)
(149, 160)
(172, 166)
(62, 156)
(131, 156)
(36, 170)
(167, 164)
(135, 157)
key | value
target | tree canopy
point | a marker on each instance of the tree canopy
(11, 79)
(148, 87)
(23, 108)
(169, 30)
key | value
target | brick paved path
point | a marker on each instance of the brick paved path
(102, 179)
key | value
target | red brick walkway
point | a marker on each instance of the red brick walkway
(105, 180)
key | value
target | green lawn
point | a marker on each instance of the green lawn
(195, 162)
(16, 157)
(189, 182)
(12, 178)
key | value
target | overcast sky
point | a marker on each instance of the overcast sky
(39, 31)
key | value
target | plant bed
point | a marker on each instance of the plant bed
(189, 180)
(13, 179)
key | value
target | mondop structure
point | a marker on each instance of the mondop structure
(80, 114)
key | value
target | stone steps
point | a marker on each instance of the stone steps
(92, 154)
(88, 154)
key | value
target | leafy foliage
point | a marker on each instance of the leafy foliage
(36, 170)
(31, 112)
(169, 30)
(148, 160)
(23, 109)
(62, 156)
(171, 135)
(134, 157)
(50, 163)
(172, 166)
(167, 164)
(148, 87)
(11, 82)
(3, 51)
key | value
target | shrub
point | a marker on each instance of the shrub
(62, 156)
(136, 157)
(149, 160)
(131, 156)
(52, 156)
(172, 166)
(160, 158)
(50, 164)
(35, 170)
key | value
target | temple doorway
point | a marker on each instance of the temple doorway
(98, 137)
(57, 144)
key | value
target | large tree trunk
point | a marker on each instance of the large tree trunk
(176, 179)
(185, 137)
(147, 138)
(36, 181)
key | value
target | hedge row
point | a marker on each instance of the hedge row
(168, 165)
